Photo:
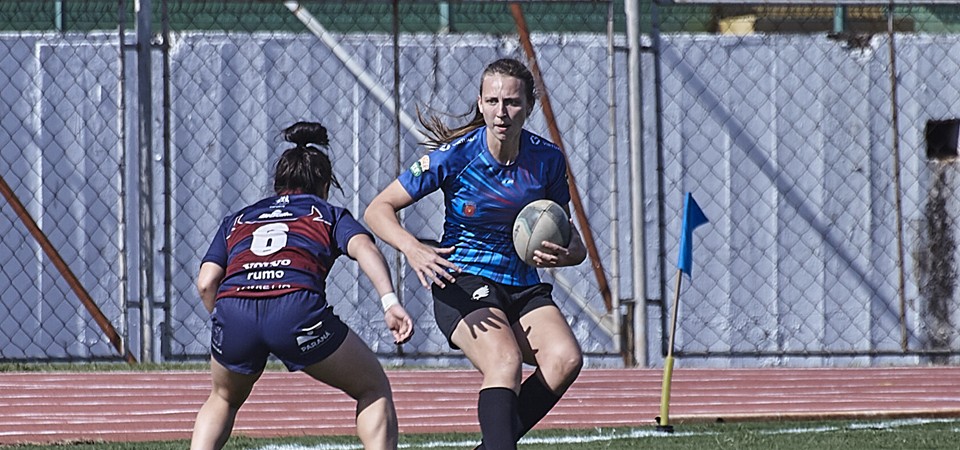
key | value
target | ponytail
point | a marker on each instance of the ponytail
(305, 168)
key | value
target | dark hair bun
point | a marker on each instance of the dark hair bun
(306, 133)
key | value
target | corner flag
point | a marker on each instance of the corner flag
(692, 217)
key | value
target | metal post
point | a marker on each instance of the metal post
(444, 10)
(626, 351)
(897, 190)
(657, 45)
(145, 156)
(59, 19)
(167, 184)
(123, 263)
(839, 18)
(397, 137)
(634, 106)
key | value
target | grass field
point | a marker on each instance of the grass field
(914, 434)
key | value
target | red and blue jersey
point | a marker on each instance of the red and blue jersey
(483, 197)
(281, 244)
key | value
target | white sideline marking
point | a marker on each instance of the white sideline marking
(879, 425)
(583, 439)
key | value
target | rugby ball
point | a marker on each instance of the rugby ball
(538, 221)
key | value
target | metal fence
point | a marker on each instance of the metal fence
(818, 139)
(131, 145)
(821, 142)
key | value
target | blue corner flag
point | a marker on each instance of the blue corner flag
(692, 217)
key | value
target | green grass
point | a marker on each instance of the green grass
(914, 434)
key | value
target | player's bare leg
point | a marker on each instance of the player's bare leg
(355, 370)
(215, 419)
(487, 340)
(547, 343)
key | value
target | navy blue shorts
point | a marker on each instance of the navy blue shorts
(299, 328)
(471, 292)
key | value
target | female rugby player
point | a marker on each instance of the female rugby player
(263, 279)
(487, 301)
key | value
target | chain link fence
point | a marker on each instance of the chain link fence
(232, 87)
(210, 85)
(819, 140)
(63, 217)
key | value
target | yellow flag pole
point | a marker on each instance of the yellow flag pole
(663, 420)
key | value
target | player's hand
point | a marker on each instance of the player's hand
(553, 255)
(431, 264)
(399, 323)
(550, 255)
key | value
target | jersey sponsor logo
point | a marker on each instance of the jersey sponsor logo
(275, 214)
(263, 287)
(312, 340)
(422, 165)
(264, 275)
(444, 147)
(534, 140)
(469, 209)
(481, 292)
(281, 201)
(267, 264)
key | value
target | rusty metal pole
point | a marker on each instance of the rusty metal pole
(589, 242)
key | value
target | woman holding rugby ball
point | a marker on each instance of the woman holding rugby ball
(487, 301)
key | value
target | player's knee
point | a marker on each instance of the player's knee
(232, 398)
(564, 363)
(509, 364)
(503, 369)
(574, 365)
(511, 359)
(570, 365)
(382, 389)
(374, 388)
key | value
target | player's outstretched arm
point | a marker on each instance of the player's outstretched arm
(429, 263)
(374, 266)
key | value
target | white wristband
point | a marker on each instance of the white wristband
(389, 300)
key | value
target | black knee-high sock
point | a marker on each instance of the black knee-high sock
(497, 411)
(534, 402)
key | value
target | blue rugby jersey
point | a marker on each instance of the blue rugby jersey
(281, 244)
(483, 197)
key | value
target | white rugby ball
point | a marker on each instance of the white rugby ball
(541, 220)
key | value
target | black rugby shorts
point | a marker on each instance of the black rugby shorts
(471, 292)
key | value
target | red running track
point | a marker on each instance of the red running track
(140, 406)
